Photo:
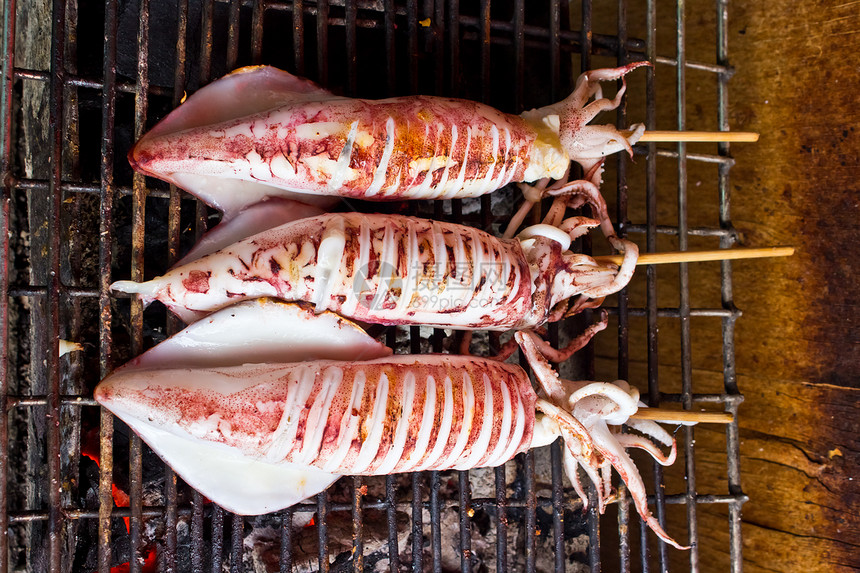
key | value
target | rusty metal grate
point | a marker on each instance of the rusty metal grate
(74, 216)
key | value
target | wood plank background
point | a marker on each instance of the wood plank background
(798, 341)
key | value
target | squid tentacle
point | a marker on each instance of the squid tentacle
(570, 426)
(594, 406)
(652, 429)
(548, 377)
(545, 349)
(615, 455)
(642, 443)
(571, 468)
(588, 84)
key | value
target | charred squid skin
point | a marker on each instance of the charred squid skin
(384, 269)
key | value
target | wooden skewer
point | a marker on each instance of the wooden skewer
(698, 256)
(683, 416)
(697, 136)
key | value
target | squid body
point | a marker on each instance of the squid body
(389, 269)
(260, 133)
(264, 404)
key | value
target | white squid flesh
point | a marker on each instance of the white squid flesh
(389, 269)
(260, 132)
(262, 432)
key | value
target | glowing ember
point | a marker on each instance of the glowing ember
(150, 563)
(120, 498)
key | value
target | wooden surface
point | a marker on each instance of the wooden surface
(798, 341)
(799, 351)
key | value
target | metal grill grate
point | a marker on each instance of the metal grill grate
(73, 217)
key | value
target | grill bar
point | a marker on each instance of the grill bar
(556, 447)
(621, 199)
(417, 522)
(623, 529)
(435, 526)
(557, 506)
(299, 36)
(412, 43)
(71, 269)
(459, 41)
(357, 525)
(25, 184)
(465, 524)
(73, 400)
(531, 508)
(286, 557)
(197, 558)
(170, 520)
(82, 82)
(206, 47)
(198, 550)
(391, 515)
(453, 51)
(570, 42)
(322, 41)
(622, 222)
(52, 325)
(238, 533)
(684, 285)
(726, 294)
(417, 482)
(73, 513)
(8, 60)
(322, 530)
(106, 191)
(257, 31)
(501, 519)
(233, 35)
(651, 281)
(351, 46)
(217, 552)
(138, 207)
(237, 521)
(168, 557)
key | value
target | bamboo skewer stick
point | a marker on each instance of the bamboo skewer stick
(683, 416)
(699, 256)
(697, 136)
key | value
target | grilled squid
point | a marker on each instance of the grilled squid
(389, 269)
(258, 408)
(261, 133)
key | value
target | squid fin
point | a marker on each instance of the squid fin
(249, 221)
(235, 482)
(243, 92)
(262, 331)
(232, 196)
(257, 331)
